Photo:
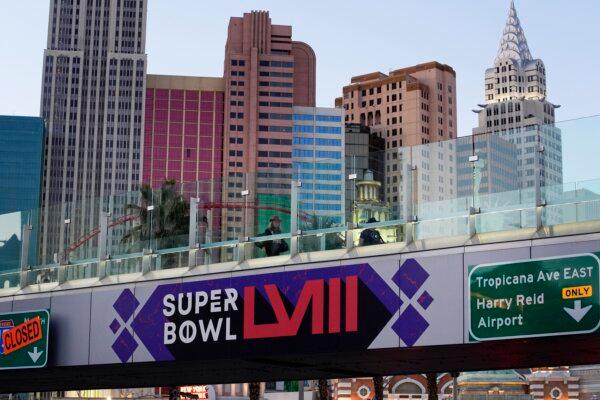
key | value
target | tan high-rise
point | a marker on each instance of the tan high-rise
(266, 74)
(407, 107)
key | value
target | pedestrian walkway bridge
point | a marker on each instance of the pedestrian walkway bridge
(173, 285)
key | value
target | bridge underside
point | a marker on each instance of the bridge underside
(523, 353)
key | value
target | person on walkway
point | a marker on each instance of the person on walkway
(370, 236)
(277, 246)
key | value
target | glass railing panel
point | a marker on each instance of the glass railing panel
(442, 228)
(85, 270)
(129, 222)
(320, 232)
(268, 212)
(10, 280)
(320, 193)
(574, 144)
(126, 265)
(505, 211)
(374, 233)
(171, 252)
(82, 229)
(11, 240)
(41, 275)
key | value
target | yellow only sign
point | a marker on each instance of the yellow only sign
(577, 292)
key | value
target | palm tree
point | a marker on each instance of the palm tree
(254, 390)
(166, 224)
(432, 386)
(378, 386)
(323, 389)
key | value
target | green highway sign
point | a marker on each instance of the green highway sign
(542, 297)
(24, 339)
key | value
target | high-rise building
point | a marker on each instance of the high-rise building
(516, 108)
(183, 142)
(407, 107)
(183, 139)
(266, 74)
(93, 102)
(318, 162)
(21, 162)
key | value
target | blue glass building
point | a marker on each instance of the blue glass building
(21, 166)
(319, 162)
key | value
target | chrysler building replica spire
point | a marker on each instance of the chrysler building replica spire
(517, 110)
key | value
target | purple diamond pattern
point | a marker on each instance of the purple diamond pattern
(425, 300)
(410, 326)
(126, 305)
(410, 277)
(124, 346)
(114, 326)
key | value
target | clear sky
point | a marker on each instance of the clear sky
(350, 37)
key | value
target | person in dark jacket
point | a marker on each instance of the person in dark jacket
(370, 236)
(277, 246)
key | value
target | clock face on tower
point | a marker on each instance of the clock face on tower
(555, 393)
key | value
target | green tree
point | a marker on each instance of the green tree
(254, 390)
(323, 387)
(432, 386)
(163, 227)
(378, 386)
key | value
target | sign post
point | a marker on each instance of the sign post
(543, 297)
(24, 339)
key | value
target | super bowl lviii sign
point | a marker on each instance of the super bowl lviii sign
(352, 307)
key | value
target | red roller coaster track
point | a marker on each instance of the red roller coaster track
(205, 206)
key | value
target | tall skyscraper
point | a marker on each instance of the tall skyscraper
(93, 101)
(408, 107)
(21, 161)
(318, 162)
(183, 141)
(516, 108)
(266, 74)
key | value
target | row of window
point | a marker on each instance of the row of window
(307, 141)
(274, 128)
(275, 141)
(321, 118)
(320, 177)
(275, 94)
(317, 129)
(318, 166)
(275, 154)
(336, 155)
(275, 116)
(277, 64)
(275, 84)
(319, 196)
(277, 74)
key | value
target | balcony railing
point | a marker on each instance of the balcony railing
(542, 181)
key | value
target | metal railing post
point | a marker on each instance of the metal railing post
(539, 202)
(26, 238)
(193, 232)
(294, 231)
(410, 203)
(103, 255)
